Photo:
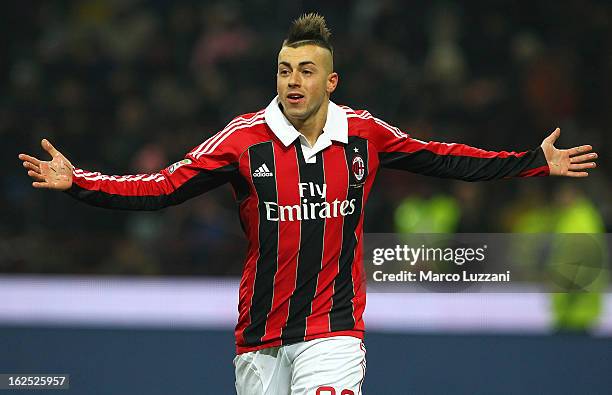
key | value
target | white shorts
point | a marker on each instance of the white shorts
(329, 366)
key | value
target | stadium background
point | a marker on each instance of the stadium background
(130, 86)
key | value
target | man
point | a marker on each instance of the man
(301, 170)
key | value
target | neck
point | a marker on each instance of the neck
(312, 127)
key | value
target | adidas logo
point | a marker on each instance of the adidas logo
(263, 171)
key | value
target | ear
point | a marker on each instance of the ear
(332, 82)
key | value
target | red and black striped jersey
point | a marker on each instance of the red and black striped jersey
(301, 208)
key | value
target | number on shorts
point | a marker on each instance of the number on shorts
(331, 391)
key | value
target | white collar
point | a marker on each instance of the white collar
(336, 125)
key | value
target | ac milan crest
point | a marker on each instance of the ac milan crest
(358, 167)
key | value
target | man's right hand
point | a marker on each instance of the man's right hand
(54, 174)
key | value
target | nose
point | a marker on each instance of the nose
(294, 80)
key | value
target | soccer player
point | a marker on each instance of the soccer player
(301, 170)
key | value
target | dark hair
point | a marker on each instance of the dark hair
(309, 29)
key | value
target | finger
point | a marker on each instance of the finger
(553, 136)
(30, 159)
(577, 174)
(30, 166)
(581, 166)
(41, 185)
(36, 176)
(33, 170)
(582, 158)
(47, 146)
(579, 150)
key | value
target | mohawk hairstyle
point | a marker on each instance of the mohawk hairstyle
(309, 29)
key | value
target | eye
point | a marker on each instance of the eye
(307, 72)
(283, 72)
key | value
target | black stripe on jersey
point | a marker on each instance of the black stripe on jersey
(202, 182)
(465, 168)
(261, 159)
(311, 249)
(341, 314)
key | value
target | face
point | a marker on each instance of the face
(304, 80)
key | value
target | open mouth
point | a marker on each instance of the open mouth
(294, 98)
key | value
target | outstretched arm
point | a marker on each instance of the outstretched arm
(397, 150)
(185, 179)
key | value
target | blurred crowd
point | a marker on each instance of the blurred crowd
(131, 86)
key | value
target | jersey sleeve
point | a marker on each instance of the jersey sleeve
(207, 166)
(397, 150)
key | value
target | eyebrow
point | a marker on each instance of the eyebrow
(300, 64)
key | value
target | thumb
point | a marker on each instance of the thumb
(47, 146)
(553, 137)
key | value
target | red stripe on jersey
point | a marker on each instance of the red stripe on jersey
(454, 149)
(249, 214)
(288, 240)
(358, 271)
(334, 162)
(359, 284)
(538, 171)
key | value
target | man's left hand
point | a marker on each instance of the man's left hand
(572, 162)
